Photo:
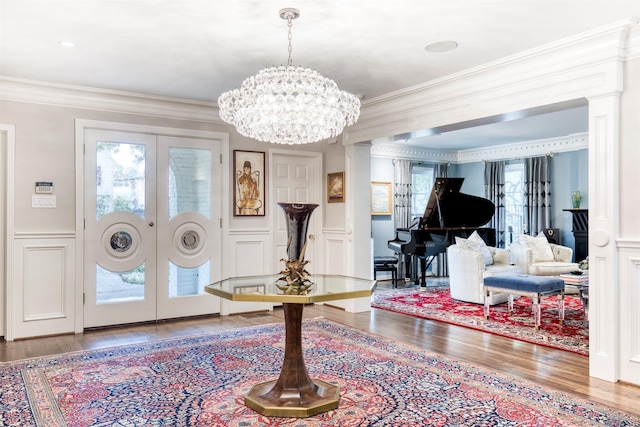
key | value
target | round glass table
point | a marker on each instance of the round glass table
(294, 393)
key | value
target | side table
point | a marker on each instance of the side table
(581, 283)
(294, 393)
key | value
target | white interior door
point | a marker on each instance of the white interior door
(296, 179)
(151, 231)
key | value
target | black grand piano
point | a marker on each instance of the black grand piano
(448, 214)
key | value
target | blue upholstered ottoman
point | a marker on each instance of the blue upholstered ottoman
(528, 286)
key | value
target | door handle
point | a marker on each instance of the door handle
(151, 224)
(312, 237)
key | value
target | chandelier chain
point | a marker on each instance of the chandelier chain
(290, 25)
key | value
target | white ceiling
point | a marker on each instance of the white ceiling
(197, 49)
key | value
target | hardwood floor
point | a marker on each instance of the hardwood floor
(557, 369)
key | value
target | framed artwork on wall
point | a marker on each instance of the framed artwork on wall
(335, 187)
(380, 198)
(248, 189)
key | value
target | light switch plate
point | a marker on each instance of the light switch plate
(47, 202)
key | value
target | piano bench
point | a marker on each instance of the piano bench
(386, 263)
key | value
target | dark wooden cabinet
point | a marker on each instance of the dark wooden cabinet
(580, 233)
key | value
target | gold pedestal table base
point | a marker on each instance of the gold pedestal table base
(294, 393)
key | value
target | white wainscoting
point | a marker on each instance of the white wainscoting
(42, 290)
(629, 314)
(335, 251)
(247, 253)
(335, 245)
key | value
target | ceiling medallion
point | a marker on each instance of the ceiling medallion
(289, 105)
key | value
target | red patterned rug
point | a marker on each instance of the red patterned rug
(435, 303)
(201, 380)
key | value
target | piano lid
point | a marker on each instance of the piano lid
(449, 208)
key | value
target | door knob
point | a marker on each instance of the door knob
(151, 224)
(312, 236)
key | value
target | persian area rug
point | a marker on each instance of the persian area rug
(435, 303)
(202, 380)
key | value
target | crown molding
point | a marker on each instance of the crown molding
(408, 152)
(60, 95)
(583, 66)
(633, 44)
(516, 150)
(540, 147)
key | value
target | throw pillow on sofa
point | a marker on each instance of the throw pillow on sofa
(482, 246)
(539, 245)
(476, 243)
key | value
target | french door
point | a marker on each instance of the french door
(152, 226)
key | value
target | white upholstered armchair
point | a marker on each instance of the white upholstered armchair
(468, 266)
(536, 256)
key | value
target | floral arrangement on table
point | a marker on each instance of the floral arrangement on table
(584, 264)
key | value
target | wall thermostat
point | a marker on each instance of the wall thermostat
(44, 187)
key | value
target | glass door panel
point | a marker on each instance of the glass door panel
(120, 178)
(188, 281)
(122, 286)
(189, 181)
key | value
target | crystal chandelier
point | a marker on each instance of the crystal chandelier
(289, 105)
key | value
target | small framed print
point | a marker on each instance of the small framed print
(380, 198)
(248, 189)
(335, 187)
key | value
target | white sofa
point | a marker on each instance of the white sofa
(468, 267)
(537, 261)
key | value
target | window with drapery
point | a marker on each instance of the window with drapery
(412, 187)
(537, 194)
(514, 200)
(523, 196)
(494, 189)
(421, 186)
(402, 192)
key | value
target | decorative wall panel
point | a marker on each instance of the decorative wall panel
(43, 287)
(248, 256)
(629, 315)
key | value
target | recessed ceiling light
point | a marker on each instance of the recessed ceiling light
(65, 43)
(439, 47)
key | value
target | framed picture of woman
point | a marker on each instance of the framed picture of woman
(249, 187)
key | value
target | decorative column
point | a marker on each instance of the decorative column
(604, 208)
